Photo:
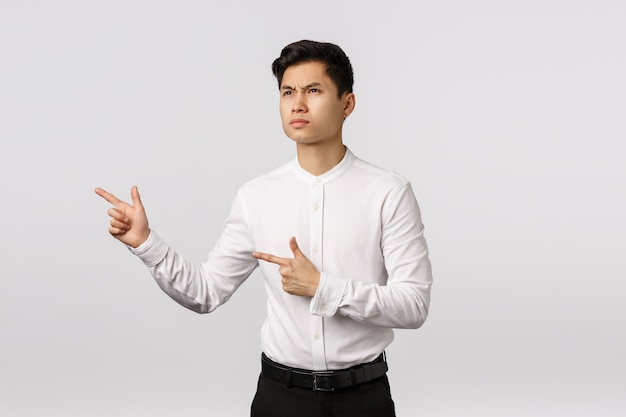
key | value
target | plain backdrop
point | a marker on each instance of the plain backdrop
(507, 117)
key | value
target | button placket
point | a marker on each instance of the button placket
(317, 227)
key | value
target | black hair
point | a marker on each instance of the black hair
(338, 67)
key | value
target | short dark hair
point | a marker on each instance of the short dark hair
(338, 66)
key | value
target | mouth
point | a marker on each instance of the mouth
(298, 123)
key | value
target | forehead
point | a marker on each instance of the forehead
(306, 73)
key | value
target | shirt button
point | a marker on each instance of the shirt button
(324, 307)
(317, 336)
(316, 207)
(317, 181)
(315, 249)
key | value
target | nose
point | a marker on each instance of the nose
(298, 104)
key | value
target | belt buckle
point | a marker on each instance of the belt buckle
(316, 386)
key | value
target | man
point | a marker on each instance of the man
(339, 242)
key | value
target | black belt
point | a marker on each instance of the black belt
(323, 380)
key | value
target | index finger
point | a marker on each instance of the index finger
(270, 258)
(108, 196)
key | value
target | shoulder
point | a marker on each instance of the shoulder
(379, 176)
(267, 180)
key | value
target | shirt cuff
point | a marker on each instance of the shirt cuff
(152, 251)
(328, 296)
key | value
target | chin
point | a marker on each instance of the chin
(299, 138)
(303, 142)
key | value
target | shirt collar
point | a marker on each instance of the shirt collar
(332, 174)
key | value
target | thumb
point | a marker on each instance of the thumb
(293, 245)
(134, 194)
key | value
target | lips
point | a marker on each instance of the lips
(298, 123)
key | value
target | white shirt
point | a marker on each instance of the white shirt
(361, 227)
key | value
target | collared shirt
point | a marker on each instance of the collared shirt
(361, 227)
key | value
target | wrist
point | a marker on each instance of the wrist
(141, 240)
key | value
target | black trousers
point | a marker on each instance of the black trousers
(371, 399)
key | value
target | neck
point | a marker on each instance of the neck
(317, 159)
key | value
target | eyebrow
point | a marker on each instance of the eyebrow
(306, 87)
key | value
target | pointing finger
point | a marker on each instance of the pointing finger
(270, 258)
(108, 196)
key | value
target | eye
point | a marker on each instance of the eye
(287, 93)
(314, 90)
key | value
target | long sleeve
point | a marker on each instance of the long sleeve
(403, 301)
(203, 288)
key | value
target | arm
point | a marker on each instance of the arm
(201, 288)
(404, 301)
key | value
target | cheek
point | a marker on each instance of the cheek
(284, 113)
(333, 116)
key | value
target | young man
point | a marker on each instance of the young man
(339, 242)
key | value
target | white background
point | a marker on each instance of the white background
(507, 117)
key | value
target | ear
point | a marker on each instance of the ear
(348, 108)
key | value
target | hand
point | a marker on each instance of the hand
(129, 224)
(300, 276)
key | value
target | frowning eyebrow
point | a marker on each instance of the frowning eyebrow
(306, 87)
